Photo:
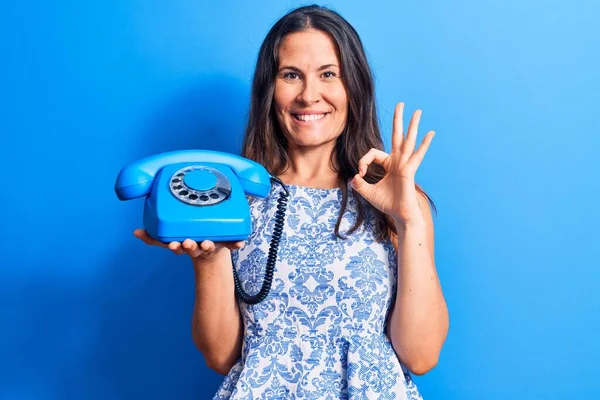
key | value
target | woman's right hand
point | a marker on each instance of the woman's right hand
(197, 251)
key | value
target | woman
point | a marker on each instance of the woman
(355, 305)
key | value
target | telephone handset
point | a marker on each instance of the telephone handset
(201, 195)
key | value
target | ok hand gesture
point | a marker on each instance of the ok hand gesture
(395, 194)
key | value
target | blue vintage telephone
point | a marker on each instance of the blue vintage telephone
(201, 195)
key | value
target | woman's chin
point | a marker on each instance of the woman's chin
(312, 143)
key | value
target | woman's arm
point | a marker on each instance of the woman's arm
(217, 328)
(419, 320)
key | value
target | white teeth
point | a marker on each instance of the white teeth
(310, 117)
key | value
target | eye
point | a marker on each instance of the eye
(290, 75)
(329, 74)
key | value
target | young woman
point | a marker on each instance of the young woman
(355, 305)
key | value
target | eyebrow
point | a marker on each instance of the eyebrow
(322, 67)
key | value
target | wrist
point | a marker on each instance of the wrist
(403, 224)
(210, 260)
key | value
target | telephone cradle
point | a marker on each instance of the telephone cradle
(201, 195)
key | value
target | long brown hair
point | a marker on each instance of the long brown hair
(265, 143)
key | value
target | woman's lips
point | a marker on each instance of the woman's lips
(309, 118)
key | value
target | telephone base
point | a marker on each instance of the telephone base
(200, 239)
(168, 218)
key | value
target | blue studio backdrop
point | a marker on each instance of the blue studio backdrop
(510, 87)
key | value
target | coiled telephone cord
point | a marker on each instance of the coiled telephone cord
(272, 258)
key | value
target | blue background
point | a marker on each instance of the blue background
(511, 88)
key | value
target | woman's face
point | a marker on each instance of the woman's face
(310, 99)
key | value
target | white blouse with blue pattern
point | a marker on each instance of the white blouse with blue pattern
(320, 334)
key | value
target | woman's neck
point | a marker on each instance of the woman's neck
(310, 169)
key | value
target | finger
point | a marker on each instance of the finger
(233, 245)
(373, 155)
(411, 136)
(416, 159)
(208, 245)
(176, 248)
(143, 235)
(191, 248)
(363, 187)
(398, 129)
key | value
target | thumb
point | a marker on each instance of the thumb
(360, 185)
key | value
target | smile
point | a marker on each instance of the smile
(309, 117)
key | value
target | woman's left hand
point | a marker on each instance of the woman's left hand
(395, 194)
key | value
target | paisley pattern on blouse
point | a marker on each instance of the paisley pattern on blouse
(320, 334)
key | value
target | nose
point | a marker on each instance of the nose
(310, 93)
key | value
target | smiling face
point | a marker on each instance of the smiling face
(310, 98)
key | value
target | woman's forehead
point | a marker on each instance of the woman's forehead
(310, 48)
